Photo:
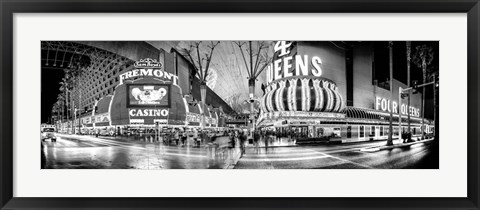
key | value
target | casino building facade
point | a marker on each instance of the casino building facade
(330, 91)
(160, 91)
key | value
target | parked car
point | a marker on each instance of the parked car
(106, 132)
(48, 133)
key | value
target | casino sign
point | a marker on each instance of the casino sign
(147, 95)
(295, 89)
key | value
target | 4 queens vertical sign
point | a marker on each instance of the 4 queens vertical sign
(288, 63)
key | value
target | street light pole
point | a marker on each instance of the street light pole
(408, 84)
(79, 109)
(390, 126)
(251, 87)
(203, 94)
(434, 102)
(400, 91)
(74, 120)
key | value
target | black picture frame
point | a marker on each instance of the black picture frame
(10, 7)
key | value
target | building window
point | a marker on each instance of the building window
(349, 131)
(337, 132)
(361, 132)
(381, 131)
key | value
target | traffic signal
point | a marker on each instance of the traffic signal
(415, 87)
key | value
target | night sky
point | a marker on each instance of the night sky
(50, 90)
(51, 76)
(400, 66)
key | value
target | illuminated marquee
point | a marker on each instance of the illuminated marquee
(148, 112)
(194, 117)
(384, 105)
(148, 67)
(148, 95)
(290, 66)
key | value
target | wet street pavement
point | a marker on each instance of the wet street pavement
(421, 155)
(87, 152)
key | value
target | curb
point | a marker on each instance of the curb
(378, 148)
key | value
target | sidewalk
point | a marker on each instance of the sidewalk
(398, 145)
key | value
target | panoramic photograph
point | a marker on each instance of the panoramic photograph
(246, 104)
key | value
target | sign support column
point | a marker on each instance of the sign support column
(400, 92)
(409, 92)
(390, 126)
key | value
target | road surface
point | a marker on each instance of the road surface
(421, 155)
(88, 152)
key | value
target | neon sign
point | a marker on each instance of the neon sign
(148, 112)
(385, 105)
(290, 66)
(148, 67)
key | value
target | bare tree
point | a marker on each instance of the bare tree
(256, 58)
(200, 55)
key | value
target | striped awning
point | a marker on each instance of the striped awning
(302, 94)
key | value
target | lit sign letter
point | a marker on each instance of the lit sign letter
(277, 69)
(168, 76)
(317, 71)
(384, 105)
(377, 103)
(287, 66)
(269, 74)
(132, 112)
(403, 109)
(135, 73)
(128, 75)
(158, 73)
(301, 65)
(395, 107)
(121, 78)
(283, 47)
(164, 112)
(146, 72)
(175, 79)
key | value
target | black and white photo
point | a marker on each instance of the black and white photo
(245, 104)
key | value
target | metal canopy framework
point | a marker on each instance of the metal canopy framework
(63, 55)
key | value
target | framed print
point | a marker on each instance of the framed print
(239, 105)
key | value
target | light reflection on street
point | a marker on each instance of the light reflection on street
(91, 152)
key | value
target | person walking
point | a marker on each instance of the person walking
(195, 137)
(184, 137)
(176, 136)
(231, 138)
(242, 139)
